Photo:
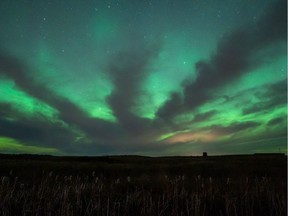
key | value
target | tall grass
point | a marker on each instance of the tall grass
(159, 194)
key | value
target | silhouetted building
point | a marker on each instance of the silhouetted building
(205, 154)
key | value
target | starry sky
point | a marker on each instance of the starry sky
(160, 77)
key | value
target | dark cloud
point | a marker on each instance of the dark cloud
(171, 106)
(232, 59)
(19, 130)
(271, 96)
(269, 141)
(33, 131)
(275, 121)
(6, 110)
(234, 127)
(200, 117)
(38, 131)
(68, 111)
(127, 71)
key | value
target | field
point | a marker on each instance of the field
(135, 185)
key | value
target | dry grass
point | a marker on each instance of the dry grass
(176, 186)
(143, 195)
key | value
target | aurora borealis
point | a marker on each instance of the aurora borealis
(143, 77)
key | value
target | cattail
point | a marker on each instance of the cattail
(117, 181)
(50, 174)
(11, 172)
(93, 173)
(21, 186)
(247, 179)
(183, 178)
(199, 177)
(210, 180)
(128, 179)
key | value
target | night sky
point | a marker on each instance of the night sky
(161, 77)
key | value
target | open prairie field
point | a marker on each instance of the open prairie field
(135, 185)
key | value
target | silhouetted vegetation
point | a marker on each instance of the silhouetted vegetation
(136, 185)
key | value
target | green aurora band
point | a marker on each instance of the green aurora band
(112, 65)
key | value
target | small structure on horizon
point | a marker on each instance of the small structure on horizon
(205, 154)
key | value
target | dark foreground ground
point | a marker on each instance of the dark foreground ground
(134, 185)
